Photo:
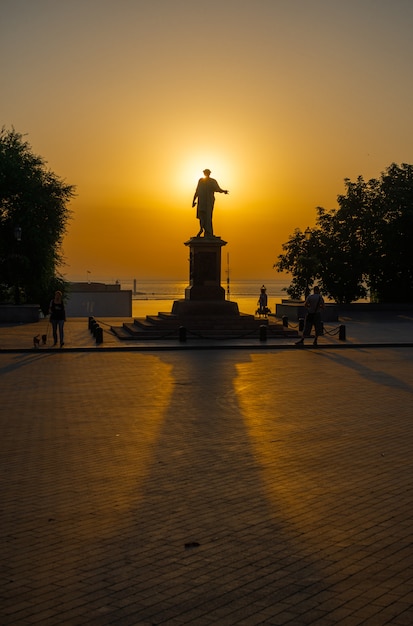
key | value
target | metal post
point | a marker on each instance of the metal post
(99, 334)
(285, 321)
(342, 332)
(18, 237)
(182, 333)
(263, 332)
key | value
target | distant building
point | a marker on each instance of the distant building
(98, 299)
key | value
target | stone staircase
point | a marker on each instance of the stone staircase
(169, 326)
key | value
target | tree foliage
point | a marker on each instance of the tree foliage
(35, 200)
(363, 245)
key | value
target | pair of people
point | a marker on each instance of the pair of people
(57, 317)
(314, 303)
(263, 303)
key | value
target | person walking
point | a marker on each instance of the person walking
(314, 303)
(57, 317)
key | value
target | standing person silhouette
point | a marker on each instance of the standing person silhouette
(204, 193)
(314, 303)
(263, 302)
(57, 317)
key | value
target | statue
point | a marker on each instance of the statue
(205, 194)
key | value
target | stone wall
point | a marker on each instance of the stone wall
(295, 310)
(19, 313)
(99, 302)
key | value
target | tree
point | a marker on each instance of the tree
(301, 259)
(33, 219)
(340, 270)
(389, 238)
(364, 244)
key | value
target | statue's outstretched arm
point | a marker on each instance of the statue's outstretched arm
(221, 190)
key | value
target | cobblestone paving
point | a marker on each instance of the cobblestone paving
(207, 487)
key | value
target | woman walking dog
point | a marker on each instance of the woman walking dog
(57, 317)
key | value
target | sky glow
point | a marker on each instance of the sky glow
(130, 100)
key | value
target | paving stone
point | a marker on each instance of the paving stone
(291, 470)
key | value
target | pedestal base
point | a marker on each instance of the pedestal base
(204, 293)
(205, 269)
(207, 308)
(204, 311)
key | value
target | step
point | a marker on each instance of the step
(133, 331)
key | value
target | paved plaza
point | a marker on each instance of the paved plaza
(176, 484)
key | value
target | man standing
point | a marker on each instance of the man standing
(204, 192)
(314, 303)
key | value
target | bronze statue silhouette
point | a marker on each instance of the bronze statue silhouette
(204, 192)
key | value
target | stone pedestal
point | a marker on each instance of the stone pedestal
(204, 312)
(204, 294)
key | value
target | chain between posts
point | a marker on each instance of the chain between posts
(338, 330)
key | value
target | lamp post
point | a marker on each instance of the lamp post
(307, 235)
(18, 238)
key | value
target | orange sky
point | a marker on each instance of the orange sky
(130, 100)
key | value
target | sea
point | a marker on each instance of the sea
(151, 296)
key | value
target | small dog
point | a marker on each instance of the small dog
(36, 341)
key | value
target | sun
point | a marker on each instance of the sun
(191, 169)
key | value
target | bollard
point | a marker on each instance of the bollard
(285, 321)
(90, 322)
(182, 333)
(263, 332)
(301, 324)
(93, 327)
(98, 334)
(342, 332)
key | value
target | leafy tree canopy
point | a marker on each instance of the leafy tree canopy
(363, 245)
(33, 219)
